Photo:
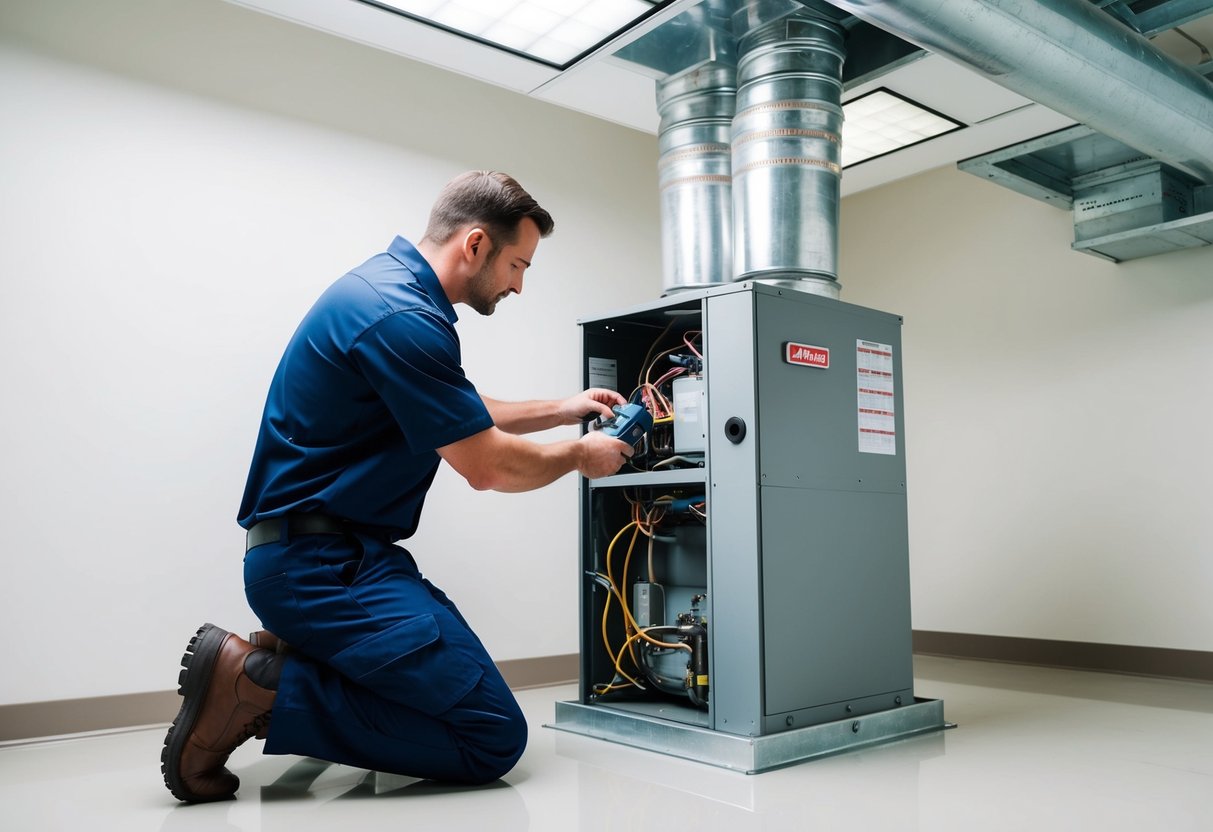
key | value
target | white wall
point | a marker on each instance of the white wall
(1057, 416)
(178, 182)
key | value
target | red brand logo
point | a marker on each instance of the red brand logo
(806, 355)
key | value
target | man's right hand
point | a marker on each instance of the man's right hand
(602, 455)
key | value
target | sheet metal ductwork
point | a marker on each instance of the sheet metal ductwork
(787, 152)
(1074, 58)
(785, 148)
(750, 160)
(694, 176)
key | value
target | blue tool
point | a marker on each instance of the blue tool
(630, 422)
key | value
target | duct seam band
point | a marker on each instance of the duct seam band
(786, 133)
(775, 106)
(691, 152)
(705, 179)
(832, 167)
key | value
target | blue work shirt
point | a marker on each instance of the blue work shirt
(367, 390)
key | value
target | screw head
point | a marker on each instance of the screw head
(855, 727)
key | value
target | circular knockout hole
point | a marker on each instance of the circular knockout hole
(734, 430)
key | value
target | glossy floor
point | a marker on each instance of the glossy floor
(1036, 749)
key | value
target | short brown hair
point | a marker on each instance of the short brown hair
(490, 199)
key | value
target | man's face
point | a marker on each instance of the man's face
(503, 269)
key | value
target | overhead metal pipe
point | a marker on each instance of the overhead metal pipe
(1073, 58)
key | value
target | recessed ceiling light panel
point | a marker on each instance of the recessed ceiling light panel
(554, 32)
(883, 121)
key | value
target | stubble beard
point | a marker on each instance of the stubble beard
(480, 287)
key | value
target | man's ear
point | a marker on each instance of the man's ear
(474, 242)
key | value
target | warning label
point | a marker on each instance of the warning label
(874, 383)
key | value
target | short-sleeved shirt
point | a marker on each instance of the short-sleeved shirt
(367, 390)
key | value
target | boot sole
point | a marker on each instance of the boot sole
(197, 667)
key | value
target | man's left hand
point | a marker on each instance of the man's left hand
(596, 401)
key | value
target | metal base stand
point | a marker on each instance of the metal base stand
(749, 754)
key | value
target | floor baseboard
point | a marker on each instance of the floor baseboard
(37, 720)
(1075, 655)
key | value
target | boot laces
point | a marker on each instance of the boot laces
(256, 727)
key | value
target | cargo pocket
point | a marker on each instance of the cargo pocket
(275, 604)
(410, 663)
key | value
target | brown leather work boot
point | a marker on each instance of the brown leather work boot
(223, 707)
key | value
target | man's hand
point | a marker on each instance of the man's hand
(602, 455)
(499, 461)
(595, 401)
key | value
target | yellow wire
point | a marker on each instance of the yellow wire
(631, 620)
(606, 641)
(627, 645)
(631, 627)
(651, 578)
(617, 657)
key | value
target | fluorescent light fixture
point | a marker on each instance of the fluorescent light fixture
(883, 121)
(550, 31)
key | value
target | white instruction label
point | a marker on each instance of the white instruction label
(603, 372)
(686, 404)
(874, 382)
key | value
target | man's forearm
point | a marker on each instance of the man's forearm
(529, 465)
(523, 417)
(497, 461)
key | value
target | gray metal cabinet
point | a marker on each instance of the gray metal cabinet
(803, 553)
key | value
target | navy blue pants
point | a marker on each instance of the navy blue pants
(385, 673)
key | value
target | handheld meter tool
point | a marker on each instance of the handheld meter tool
(630, 422)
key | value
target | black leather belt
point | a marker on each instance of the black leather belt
(272, 530)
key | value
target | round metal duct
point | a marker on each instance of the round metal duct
(696, 108)
(787, 153)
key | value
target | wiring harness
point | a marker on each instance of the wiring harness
(641, 645)
(656, 394)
